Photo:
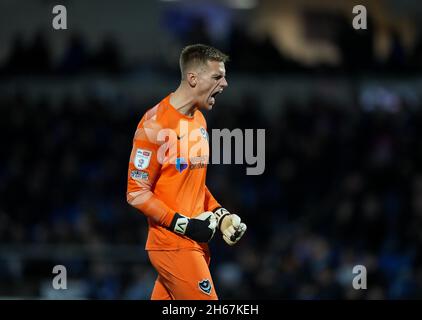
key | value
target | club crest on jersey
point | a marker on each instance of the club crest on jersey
(181, 164)
(142, 158)
(205, 286)
(204, 133)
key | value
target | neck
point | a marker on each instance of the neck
(182, 101)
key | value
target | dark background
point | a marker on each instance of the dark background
(342, 109)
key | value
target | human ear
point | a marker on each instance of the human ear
(192, 79)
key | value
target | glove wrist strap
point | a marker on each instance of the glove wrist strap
(179, 224)
(220, 213)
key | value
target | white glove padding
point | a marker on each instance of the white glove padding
(232, 228)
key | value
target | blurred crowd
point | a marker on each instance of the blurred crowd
(342, 187)
(356, 50)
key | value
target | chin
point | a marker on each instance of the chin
(207, 107)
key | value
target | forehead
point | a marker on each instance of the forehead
(216, 67)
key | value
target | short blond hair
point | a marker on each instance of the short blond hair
(197, 54)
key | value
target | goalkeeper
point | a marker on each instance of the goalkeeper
(166, 180)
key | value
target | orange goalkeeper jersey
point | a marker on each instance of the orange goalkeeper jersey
(167, 170)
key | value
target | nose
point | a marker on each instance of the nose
(224, 83)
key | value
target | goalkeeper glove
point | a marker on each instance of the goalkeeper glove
(200, 228)
(230, 225)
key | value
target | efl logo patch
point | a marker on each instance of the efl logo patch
(142, 158)
(181, 164)
(205, 286)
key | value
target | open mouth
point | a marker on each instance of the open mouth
(212, 97)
